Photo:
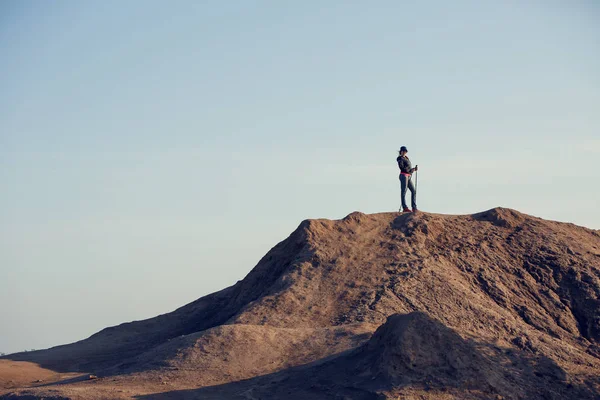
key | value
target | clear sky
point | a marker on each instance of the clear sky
(151, 151)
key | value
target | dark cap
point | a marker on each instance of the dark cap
(403, 148)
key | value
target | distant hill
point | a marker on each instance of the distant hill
(494, 305)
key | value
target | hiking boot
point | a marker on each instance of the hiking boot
(415, 210)
(405, 209)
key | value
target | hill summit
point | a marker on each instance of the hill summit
(497, 304)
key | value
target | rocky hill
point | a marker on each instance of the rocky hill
(497, 305)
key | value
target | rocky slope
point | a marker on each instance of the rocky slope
(491, 304)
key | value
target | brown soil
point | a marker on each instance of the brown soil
(495, 305)
(15, 374)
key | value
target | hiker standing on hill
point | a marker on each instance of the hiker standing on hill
(406, 171)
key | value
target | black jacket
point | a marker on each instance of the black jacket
(404, 164)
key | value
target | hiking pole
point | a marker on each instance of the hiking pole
(416, 179)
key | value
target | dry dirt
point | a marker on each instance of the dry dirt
(494, 305)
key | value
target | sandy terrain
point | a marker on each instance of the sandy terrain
(497, 305)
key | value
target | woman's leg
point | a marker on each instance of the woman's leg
(413, 194)
(403, 184)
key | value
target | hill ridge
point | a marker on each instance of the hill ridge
(499, 277)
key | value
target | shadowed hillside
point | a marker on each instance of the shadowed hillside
(491, 304)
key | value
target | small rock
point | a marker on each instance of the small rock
(92, 377)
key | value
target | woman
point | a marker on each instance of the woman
(406, 171)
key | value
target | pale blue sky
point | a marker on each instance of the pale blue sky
(151, 152)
